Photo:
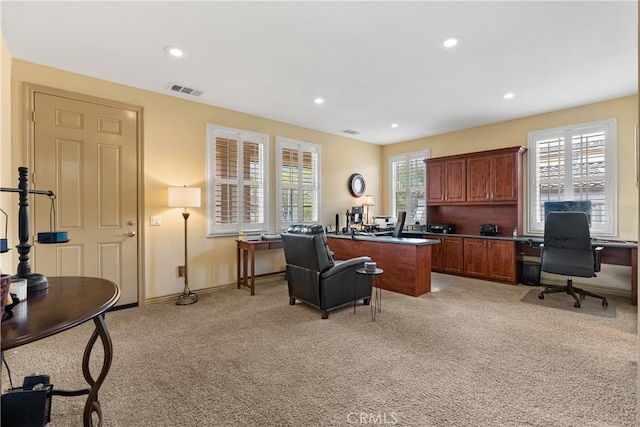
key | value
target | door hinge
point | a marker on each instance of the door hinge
(33, 177)
(33, 116)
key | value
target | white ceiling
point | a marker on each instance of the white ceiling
(374, 63)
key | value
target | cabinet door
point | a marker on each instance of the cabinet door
(475, 258)
(446, 181)
(504, 186)
(455, 180)
(435, 181)
(436, 254)
(447, 257)
(502, 260)
(478, 179)
(452, 255)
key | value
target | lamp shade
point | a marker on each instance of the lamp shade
(184, 197)
(368, 200)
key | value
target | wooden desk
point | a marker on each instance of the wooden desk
(246, 254)
(69, 302)
(406, 261)
(615, 253)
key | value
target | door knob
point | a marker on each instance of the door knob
(131, 234)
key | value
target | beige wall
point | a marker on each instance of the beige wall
(174, 151)
(8, 202)
(514, 132)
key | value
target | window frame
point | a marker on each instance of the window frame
(535, 223)
(301, 147)
(242, 136)
(420, 155)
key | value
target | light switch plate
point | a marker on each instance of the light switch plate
(155, 220)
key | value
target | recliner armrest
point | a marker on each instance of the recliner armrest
(343, 266)
(597, 258)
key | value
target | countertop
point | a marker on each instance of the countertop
(414, 241)
(607, 243)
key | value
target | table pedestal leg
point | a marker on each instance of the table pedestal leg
(92, 404)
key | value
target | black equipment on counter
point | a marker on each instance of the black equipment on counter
(442, 228)
(488, 230)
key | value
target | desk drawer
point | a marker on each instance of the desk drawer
(275, 245)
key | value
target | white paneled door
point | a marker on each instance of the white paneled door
(86, 153)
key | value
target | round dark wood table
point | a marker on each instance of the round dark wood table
(67, 303)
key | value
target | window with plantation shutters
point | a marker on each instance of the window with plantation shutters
(574, 163)
(298, 182)
(408, 185)
(236, 185)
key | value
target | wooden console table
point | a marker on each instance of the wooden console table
(67, 303)
(246, 254)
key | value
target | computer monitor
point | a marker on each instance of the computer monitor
(569, 206)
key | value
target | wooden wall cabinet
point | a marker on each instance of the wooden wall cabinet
(446, 181)
(493, 190)
(448, 256)
(490, 259)
(493, 178)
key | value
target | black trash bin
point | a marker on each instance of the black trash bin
(530, 273)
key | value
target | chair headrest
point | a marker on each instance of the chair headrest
(305, 229)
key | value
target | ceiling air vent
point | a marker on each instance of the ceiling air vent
(185, 90)
(351, 132)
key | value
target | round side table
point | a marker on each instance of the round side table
(377, 300)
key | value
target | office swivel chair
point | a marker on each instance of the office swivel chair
(397, 230)
(567, 250)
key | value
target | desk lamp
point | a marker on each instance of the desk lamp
(185, 197)
(368, 201)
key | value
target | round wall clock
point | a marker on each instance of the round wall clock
(356, 185)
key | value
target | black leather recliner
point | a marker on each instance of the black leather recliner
(315, 278)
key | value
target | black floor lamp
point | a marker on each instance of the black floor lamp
(185, 197)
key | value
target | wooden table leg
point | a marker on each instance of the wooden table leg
(245, 254)
(238, 261)
(253, 269)
(634, 276)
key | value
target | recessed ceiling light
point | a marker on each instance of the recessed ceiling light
(175, 51)
(318, 100)
(509, 95)
(395, 125)
(451, 42)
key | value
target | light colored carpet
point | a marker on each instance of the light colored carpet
(563, 301)
(468, 354)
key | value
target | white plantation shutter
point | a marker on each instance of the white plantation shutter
(237, 171)
(408, 185)
(298, 195)
(574, 163)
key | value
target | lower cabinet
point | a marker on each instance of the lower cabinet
(447, 257)
(490, 259)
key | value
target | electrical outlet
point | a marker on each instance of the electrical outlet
(181, 271)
